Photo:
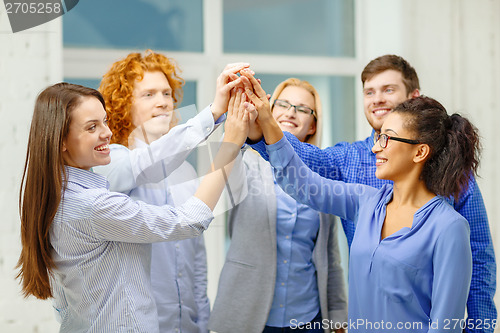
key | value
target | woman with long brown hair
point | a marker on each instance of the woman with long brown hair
(87, 248)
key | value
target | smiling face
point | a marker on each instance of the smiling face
(298, 123)
(87, 142)
(381, 94)
(398, 159)
(152, 105)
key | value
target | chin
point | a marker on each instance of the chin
(380, 175)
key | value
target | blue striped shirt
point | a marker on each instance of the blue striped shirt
(355, 163)
(102, 251)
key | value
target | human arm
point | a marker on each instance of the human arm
(330, 162)
(226, 81)
(309, 188)
(481, 310)
(118, 218)
(452, 267)
(235, 135)
(336, 289)
(152, 163)
(200, 284)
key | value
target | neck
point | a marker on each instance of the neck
(145, 136)
(411, 192)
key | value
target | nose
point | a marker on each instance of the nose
(162, 101)
(291, 112)
(106, 134)
(378, 98)
(376, 147)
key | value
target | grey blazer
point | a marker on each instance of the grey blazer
(247, 280)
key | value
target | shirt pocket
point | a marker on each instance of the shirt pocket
(239, 263)
(396, 280)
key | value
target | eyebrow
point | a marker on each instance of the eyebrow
(94, 120)
(300, 104)
(393, 131)
(392, 85)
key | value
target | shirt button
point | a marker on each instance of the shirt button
(282, 283)
(208, 129)
(180, 274)
(187, 147)
(287, 237)
(281, 305)
(285, 261)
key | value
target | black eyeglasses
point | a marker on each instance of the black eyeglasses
(382, 139)
(282, 104)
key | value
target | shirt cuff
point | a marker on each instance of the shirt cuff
(199, 211)
(280, 153)
(206, 120)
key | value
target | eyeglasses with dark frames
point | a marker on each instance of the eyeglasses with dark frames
(285, 105)
(383, 139)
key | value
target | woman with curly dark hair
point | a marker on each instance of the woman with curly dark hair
(410, 262)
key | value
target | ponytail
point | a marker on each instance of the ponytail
(454, 142)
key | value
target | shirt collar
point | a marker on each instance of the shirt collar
(86, 179)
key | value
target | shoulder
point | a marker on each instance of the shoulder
(448, 219)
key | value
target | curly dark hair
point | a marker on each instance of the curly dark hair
(454, 142)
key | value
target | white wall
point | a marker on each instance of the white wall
(29, 61)
(455, 47)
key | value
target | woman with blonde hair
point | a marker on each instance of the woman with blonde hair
(282, 271)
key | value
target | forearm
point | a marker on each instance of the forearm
(213, 183)
(271, 130)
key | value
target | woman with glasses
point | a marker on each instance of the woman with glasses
(282, 269)
(410, 262)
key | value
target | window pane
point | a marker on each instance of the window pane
(313, 27)
(174, 25)
(337, 97)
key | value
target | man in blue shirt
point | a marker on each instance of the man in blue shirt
(388, 81)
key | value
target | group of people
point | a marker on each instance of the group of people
(117, 248)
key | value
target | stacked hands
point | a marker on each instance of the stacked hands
(247, 104)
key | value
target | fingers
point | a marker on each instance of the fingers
(233, 84)
(231, 104)
(251, 110)
(256, 85)
(241, 65)
(237, 100)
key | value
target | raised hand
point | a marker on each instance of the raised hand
(256, 94)
(237, 122)
(265, 123)
(226, 81)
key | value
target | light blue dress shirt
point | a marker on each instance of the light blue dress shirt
(417, 279)
(102, 252)
(296, 293)
(158, 174)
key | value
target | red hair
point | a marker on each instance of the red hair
(117, 86)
